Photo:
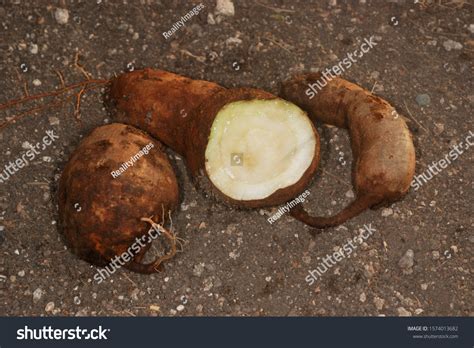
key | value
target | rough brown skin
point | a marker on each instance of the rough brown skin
(159, 102)
(382, 146)
(165, 97)
(109, 218)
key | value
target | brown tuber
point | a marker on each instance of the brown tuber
(103, 209)
(382, 146)
(244, 146)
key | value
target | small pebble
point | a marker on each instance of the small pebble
(180, 308)
(435, 255)
(49, 307)
(33, 48)
(362, 297)
(198, 269)
(306, 259)
(26, 145)
(387, 212)
(423, 99)
(36, 82)
(53, 121)
(61, 15)
(81, 313)
(439, 128)
(210, 19)
(37, 294)
(369, 270)
(155, 308)
(225, 8)
(379, 302)
(452, 45)
(374, 75)
(407, 260)
(350, 194)
(402, 312)
(123, 27)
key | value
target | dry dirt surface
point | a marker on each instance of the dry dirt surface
(417, 262)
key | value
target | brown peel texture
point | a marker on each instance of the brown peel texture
(158, 102)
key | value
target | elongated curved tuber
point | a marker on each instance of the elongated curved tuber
(382, 146)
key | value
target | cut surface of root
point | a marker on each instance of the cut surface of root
(257, 147)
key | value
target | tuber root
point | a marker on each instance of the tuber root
(244, 146)
(382, 145)
(102, 201)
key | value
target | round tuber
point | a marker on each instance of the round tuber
(117, 178)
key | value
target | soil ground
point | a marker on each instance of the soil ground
(236, 262)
